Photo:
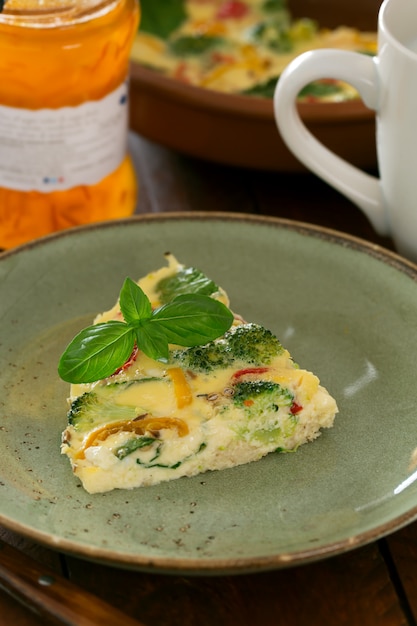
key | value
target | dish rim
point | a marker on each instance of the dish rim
(252, 107)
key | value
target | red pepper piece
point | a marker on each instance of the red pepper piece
(295, 408)
(232, 9)
(248, 402)
(181, 73)
(129, 362)
(250, 370)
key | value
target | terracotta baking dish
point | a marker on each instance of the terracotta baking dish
(240, 130)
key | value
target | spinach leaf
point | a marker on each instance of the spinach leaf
(270, 6)
(193, 45)
(132, 445)
(263, 90)
(161, 18)
(186, 280)
(274, 34)
(320, 89)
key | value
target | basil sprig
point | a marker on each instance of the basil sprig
(99, 350)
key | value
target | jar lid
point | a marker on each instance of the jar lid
(52, 13)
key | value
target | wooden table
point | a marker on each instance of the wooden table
(372, 585)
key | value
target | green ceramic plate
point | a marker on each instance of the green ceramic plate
(345, 309)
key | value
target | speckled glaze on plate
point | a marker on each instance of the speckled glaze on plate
(344, 308)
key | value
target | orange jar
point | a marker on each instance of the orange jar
(64, 115)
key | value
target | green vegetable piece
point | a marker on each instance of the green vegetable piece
(213, 355)
(132, 445)
(254, 344)
(261, 401)
(97, 407)
(162, 21)
(194, 45)
(263, 90)
(264, 394)
(247, 344)
(303, 29)
(158, 453)
(320, 89)
(274, 32)
(271, 6)
(187, 280)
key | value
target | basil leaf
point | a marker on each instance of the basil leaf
(134, 303)
(96, 352)
(152, 341)
(159, 20)
(192, 319)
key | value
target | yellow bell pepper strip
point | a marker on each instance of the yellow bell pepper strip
(182, 389)
(137, 426)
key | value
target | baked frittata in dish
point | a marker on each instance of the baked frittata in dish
(228, 402)
(239, 46)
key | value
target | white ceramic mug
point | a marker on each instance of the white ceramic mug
(387, 83)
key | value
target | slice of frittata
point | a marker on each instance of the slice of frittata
(210, 407)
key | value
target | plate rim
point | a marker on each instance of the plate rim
(324, 232)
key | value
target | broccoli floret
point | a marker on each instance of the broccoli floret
(213, 355)
(261, 402)
(247, 344)
(253, 344)
(100, 405)
(186, 280)
(261, 395)
(96, 407)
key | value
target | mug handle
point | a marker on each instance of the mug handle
(360, 71)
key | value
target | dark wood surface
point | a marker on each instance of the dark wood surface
(375, 585)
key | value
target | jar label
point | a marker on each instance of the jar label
(56, 149)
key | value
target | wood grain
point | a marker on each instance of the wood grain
(52, 597)
(352, 589)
